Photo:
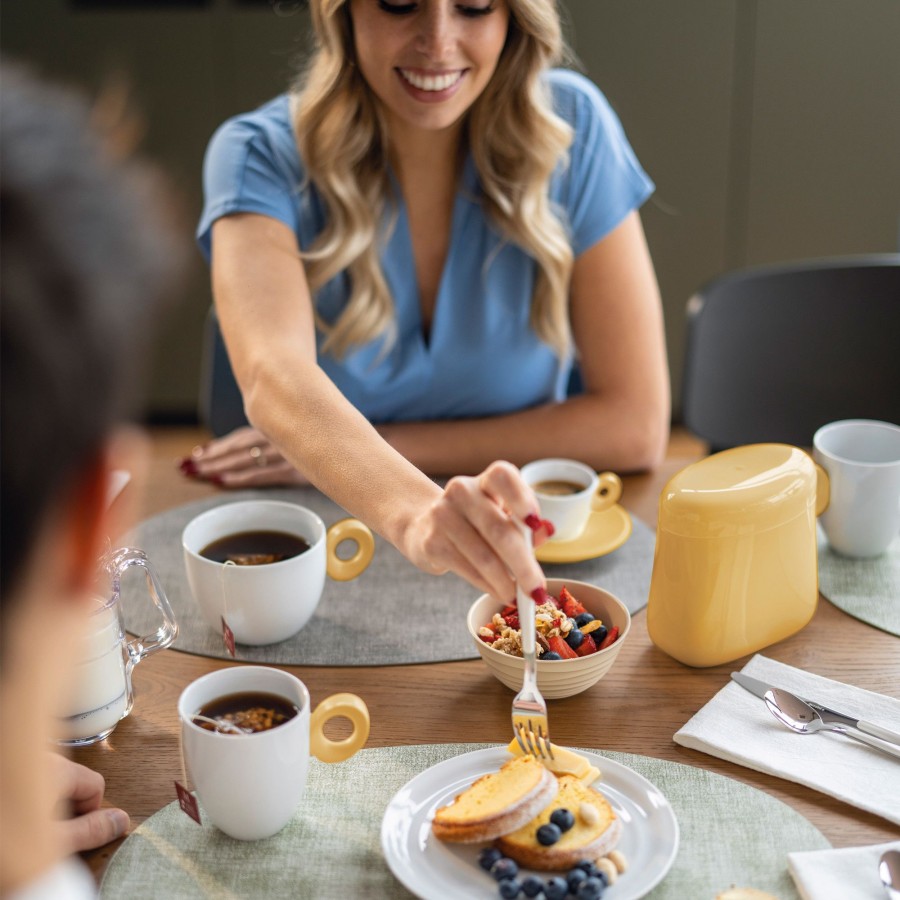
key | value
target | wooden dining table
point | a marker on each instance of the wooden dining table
(637, 707)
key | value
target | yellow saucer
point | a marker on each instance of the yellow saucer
(605, 531)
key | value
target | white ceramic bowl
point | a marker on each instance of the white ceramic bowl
(556, 678)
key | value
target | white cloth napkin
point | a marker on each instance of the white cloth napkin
(850, 873)
(737, 726)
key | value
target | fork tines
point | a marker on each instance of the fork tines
(534, 742)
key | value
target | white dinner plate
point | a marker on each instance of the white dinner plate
(434, 870)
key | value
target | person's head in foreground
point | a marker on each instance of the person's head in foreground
(84, 259)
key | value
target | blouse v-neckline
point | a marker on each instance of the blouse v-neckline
(466, 186)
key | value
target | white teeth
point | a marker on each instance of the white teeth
(431, 82)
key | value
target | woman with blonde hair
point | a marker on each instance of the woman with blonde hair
(408, 250)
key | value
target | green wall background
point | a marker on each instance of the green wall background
(771, 128)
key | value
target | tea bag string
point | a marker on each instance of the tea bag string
(222, 577)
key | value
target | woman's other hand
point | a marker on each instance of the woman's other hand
(242, 459)
(471, 529)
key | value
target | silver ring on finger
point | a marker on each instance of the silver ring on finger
(256, 455)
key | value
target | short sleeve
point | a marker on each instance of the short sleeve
(603, 181)
(251, 165)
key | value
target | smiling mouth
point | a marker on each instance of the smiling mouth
(431, 83)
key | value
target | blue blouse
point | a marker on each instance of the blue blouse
(481, 357)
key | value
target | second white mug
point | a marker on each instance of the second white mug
(862, 459)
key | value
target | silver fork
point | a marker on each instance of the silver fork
(529, 709)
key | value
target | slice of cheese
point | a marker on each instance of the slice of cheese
(564, 762)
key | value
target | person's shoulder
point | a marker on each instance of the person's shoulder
(574, 95)
(268, 126)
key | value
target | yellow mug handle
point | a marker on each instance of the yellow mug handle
(352, 530)
(823, 490)
(353, 708)
(609, 489)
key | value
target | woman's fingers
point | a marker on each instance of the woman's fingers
(243, 458)
(478, 517)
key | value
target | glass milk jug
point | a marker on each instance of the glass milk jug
(101, 694)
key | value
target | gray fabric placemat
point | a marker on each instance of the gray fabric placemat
(730, 833)
(867, 589)
(390, 615)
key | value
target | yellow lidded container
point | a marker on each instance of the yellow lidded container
(735, 566)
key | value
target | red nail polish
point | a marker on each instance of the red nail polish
(539, 595)
(217, 480)
(551, 529)
(533, 521)
(188, 466)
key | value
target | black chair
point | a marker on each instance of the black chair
(774, 353)
(221, 406)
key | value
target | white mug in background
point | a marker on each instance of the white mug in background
(250, 785)
(862, 459)
(578, 491)
(100, 693)
(267, 603)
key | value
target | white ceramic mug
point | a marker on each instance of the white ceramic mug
(250, 785)
(862, 459)
(264, 604)
(99, 692)
(569, 513)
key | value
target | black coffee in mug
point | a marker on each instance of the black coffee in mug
(255, 548)
(558, 487)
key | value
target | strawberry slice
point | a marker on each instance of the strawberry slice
(570, 606)
(610, 638)
(561, 647)
(587, 646)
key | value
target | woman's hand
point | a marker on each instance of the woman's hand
(83, 824)
(472, 529)
(244, 458)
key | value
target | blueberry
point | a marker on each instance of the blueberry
(556, 888)
(583, 619)
(551, 654)
(574, 878)
(587, 866)
(510, 888)
(532, 886)
(590, 889)
(599, 634)
(548, 834)
(563, 819)
(503, 869)
(488, 857)
(574, 638)
(603, 877)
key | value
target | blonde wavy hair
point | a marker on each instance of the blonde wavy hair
(516, 142)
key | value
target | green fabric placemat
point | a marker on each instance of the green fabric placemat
(867, 589)
(730, 834)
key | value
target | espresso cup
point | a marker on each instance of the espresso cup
(862, 459)
(270, 602)
(99, 691)
(568, 492)
(250, 785)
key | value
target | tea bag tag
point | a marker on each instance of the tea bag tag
(188, 802)
(227, 637)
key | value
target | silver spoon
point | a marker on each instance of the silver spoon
(889, 870)
(803, 719)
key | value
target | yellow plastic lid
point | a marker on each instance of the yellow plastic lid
(739, 491)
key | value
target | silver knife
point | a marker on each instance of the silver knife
(759, 688)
